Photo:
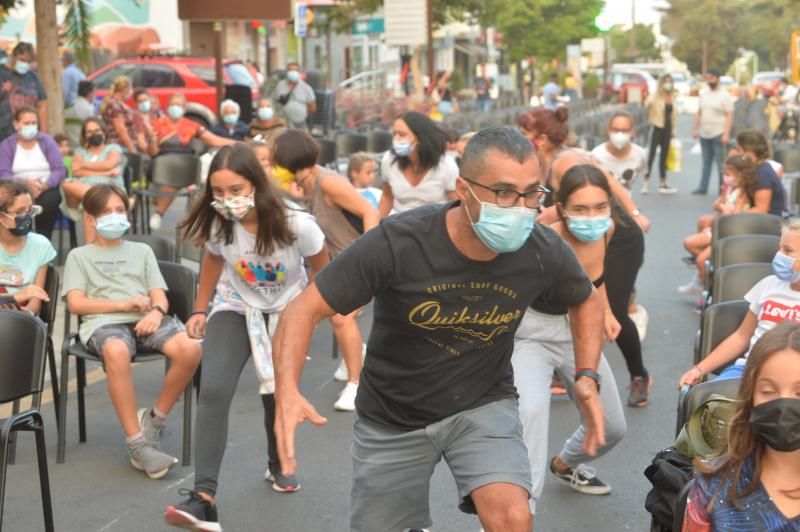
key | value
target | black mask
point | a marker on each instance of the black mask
(96, 139)
(24, 224)
(777, 423)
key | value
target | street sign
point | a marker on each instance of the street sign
(406, 22)
(367, 26)
(300, 20)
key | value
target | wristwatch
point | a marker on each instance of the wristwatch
(160, 309)
(588, 373)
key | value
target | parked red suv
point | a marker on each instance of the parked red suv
(193, 76)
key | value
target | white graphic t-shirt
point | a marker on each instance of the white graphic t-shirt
(265, 283)
(772, 301)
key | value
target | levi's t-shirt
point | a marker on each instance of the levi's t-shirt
(444, 324)
(772, 301)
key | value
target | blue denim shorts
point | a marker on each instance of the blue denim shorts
(153, 343)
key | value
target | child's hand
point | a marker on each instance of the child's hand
(29, 292)
(691, 377)
(196, 326)
(149, 324)
(140, 304)
(612, 326)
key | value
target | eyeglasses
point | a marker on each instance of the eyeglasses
(508, 197)
(34, 210)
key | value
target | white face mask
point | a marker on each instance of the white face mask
(667, 86)
(620, 139)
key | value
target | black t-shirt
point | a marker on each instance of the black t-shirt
(443, 329)
(766, 178)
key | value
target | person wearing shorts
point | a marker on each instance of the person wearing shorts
(116, 288)
(437, 381)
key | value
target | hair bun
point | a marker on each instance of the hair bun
(562, 114)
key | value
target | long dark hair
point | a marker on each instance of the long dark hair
(577, 177)
(741, 440)
(431, 143)
(273, 224)
(92, 120)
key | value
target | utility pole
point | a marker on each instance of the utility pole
(632, 34)
(430, 43)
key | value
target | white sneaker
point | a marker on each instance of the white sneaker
(645, 186)
(341, 374)
(347, 399)
(695, 286)
(640, 319)
(155, 222)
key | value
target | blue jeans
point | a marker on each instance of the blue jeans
(484, 105)
(734, 371)
(712, 151)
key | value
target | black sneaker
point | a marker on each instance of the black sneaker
(581, 478)
(690, 261)
(195, 513)
(700, 192)
(281, 483)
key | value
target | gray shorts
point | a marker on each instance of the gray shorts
(392, 468)
(169, 327)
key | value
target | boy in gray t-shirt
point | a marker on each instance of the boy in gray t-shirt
(115, 286)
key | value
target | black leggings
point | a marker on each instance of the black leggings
(659, 138)
(49, 200)
(624, 257)
(268, 400)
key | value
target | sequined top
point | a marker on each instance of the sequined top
(758, 513)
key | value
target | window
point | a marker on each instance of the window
(159, 76)
(104, 80)
(204, 73)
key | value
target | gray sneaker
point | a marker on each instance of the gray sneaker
(152, 461)
(151, 427)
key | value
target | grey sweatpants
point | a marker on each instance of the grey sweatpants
(226, 349)
(543, 343)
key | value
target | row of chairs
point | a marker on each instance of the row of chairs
(27, 348)
(743, 246)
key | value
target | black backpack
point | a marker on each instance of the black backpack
(669, 473)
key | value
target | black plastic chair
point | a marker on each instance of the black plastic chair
(22, 362)
(379, 141)
(176, 170)
(181, 290)
(718, 322)
(350, 143)
(680, 506)
(163, 248)
(739, 249)
(734, 281)
(789, 157)
(327, 152)
(691, 397)
(746, 223)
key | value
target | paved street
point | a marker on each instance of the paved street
(97, 490)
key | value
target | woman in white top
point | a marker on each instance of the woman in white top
(625, 160)
(416, 171)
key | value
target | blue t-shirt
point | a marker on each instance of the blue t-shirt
(766, 178)
(549, 95)
(19, 269)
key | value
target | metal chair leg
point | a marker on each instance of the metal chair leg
(62, 408)
(187, 425)
(11, 453)
(4, 433)
(44, 477)
(80, 369)
(335, 347)
(51, 359)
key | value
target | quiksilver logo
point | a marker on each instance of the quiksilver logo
(428, 315)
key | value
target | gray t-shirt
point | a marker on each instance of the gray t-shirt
(111, 274)
(296, 108)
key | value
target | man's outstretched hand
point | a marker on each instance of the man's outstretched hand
(291, 410)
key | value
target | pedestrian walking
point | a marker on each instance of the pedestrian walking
(483, 87)
(712, 125)
(662, 111)
(550, 93)
(70, 77)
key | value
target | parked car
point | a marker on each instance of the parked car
(766, 83)
(638, 79)
(193, 76)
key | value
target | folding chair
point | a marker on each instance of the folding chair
(734, 281)
(746, 223)
(163, 248)
(22, 361)
(181, 290)
(327, 152)
(680, 506)
(350, 143)
(175, 170)
(738, 249)
(718, 322)
(379, 141)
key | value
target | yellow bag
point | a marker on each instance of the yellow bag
(675, 156)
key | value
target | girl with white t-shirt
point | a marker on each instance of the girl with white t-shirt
(774, 299)
(255, 250)
(416, 171)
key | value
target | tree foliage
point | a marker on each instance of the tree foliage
(644, 43)
(444, 11)
(713, 31)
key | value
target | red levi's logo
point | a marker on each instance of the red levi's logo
(777, 312)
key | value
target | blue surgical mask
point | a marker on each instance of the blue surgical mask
(293, 76)
(502, 229)
(22, 67)
(782, 267)
(175, 111)
(588, 228)
(145, 106)
(112, 225)
(230, 119)
(402, 148)
(265, 113)
(29, 132)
